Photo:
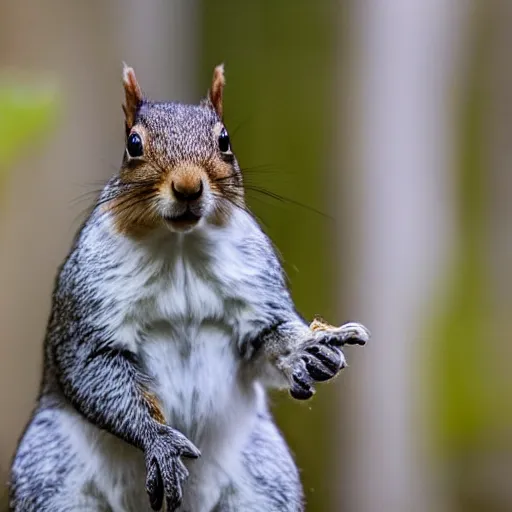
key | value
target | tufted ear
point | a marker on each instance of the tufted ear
(133, 96)
(216, 90)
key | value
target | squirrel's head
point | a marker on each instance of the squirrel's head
(178, 167)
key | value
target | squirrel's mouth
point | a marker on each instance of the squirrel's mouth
(184, 221)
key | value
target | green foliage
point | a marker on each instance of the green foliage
(461, 396)
(466, 397)
(24, 112)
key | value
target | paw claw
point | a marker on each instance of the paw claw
(190, 451)
(328, 355)
(165, 470)
(154, 486)
(351, 333)
(301, 393)
(318, 371)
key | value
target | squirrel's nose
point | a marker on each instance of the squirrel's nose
(182, 193)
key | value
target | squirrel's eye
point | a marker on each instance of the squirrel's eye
(224, 141)
(134, 145)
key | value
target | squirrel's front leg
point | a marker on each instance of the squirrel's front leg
(107, 385)
(296, 355)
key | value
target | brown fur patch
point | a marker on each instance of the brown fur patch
(218, 171)
(134, 208)
(227, 183)
(186, 178)
(319, 324)
(133, 96)
(227, 188)
(215, 93)
(134, 212)
(155, 409)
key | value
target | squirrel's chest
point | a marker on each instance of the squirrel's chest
(187, 330)
(196, 373)
(192, 289)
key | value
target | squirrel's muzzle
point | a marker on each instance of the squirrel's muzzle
(187, 183)
(187, 187)
(187, 193)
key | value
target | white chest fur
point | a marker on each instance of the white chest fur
(183, 303)
(189, 299)
(198, 378)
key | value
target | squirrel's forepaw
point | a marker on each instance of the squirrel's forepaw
(316, 362)
(165, 469)
(320, 358)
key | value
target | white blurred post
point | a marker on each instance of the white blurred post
(401, 224)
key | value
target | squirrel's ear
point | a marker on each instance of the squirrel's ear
(217, 89)
(133, 96)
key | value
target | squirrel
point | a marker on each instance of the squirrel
(170, 318)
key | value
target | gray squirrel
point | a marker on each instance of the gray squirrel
(170, 317)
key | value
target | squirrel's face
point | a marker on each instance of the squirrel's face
(178, 168)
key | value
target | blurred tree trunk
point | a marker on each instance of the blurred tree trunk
(400, 230)
(81, 46)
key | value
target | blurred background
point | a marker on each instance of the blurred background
(376, 137)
